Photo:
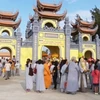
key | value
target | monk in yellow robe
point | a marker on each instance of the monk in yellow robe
(47, 75)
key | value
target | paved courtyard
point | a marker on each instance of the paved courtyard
(14, 89)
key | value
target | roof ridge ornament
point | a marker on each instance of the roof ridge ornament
(18, 31)
(66, 20)
(97, 37)
(36, 16)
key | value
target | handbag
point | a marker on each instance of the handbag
(67, 69)
(30, 71)
(35, 70)
(65, 84)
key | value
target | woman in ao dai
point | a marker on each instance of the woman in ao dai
(29, 79)
(40, 86)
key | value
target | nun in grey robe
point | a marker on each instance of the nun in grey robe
(63, 77)
(72, 81)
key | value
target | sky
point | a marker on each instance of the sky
(73, 7)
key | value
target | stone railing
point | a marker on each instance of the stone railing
(51, 29)
(74, 45)
(26, 43)
(89, 42)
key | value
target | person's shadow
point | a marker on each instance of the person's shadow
(23, 85)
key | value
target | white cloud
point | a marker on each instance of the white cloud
(84, 14)
(61, 24)
(71, 1)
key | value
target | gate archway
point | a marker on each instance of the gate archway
(5, 52)
(88, 54)
(51, 51)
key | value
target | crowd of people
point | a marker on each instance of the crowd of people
(73, 76)
(68, 76)
(9, 67)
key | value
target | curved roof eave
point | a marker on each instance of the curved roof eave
(56, 7)
(9, 15)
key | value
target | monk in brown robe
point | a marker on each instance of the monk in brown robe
(47, 75)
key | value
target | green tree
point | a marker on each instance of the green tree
(96, 14)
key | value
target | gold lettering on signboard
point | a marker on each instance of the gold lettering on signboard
(5, 41)
(88, 46)
(50, 42)
(49, 35)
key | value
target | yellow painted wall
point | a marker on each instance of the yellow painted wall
(25, 53)
(74, 53)
(62, 51)
(9, 29)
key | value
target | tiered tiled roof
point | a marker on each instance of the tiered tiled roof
(8, 19)
(50, 7)
(84, 26)
(49, 11)
(51, 15)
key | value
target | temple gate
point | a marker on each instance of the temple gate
(46, 31)
(10, 38)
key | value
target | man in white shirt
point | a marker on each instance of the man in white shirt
(14, 59)
(17, 65)
(7, 67)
